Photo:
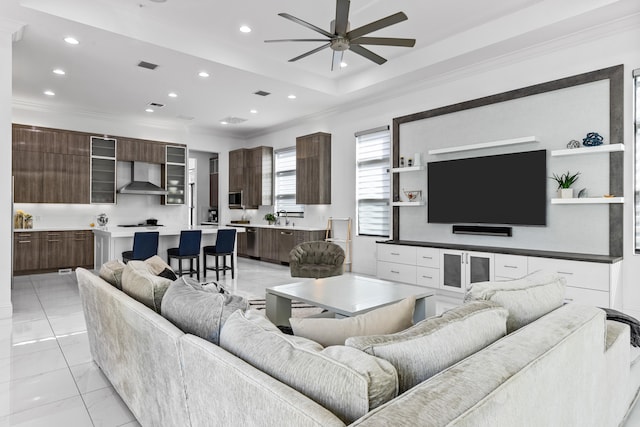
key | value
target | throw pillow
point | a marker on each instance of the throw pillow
(111, 271)
(199, 312)
(157, 265)
(346, 381)
(385, 320)
(434, 344)
(142, 285)
(527, 298)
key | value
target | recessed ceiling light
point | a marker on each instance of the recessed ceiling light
(292, 96)
(149, 110)
(49, 93)
(343, 64)
(253, 111)
(59, 71)
(71, 40)
(173, 95)
(203, 74)
(224, 123)
(245, 29)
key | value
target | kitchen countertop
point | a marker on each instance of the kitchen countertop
(63, 228)
(164, 230)
(280, 227)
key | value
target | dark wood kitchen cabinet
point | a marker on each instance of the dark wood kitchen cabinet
(313, 169)
(268, 244)
(251, 171)
(28, 175)
(138, 150)
(46, 251)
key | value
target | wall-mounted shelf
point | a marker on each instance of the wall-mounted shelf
(408, 204)
(605, 148)
(408, 169)
(490, 144)
(587, 200)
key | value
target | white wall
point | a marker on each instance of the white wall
(551, 61)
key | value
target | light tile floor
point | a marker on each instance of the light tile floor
(47, 376)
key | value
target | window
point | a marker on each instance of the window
(373, 182)
(636, 85)
(285, 185)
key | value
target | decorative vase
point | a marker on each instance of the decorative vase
(565, 193)
(28, 223)
(18, 221)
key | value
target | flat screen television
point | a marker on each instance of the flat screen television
(502, 189)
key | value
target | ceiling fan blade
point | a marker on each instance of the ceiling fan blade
(376, 25)
(295, 40)
(342, 16)
(311, 52)
(337, 59)
(367, 54)
(306, 24)
(385, 41)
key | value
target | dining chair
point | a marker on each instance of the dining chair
(145, 245)
(188, 248)
(225, 242)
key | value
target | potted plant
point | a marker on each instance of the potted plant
(271, 218)
(565, 181)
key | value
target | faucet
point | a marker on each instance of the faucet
(286, 217)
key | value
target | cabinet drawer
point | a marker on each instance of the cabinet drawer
(586, 296)
(427, 276)
(397, 272)
(397, 253)
(589, 275)
(510, 266)
(428, 257)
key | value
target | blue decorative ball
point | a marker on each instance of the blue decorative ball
(592, 139)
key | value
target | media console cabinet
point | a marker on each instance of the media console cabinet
(449, 269)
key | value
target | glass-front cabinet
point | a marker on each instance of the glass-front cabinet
(103, 170)
(175, 175)
(459, 269)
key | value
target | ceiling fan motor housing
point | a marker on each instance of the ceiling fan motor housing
(340, 44)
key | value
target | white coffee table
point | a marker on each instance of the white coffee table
(346, 296)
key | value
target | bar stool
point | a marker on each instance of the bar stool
(145, 245)
(189, 248)
(225, 241)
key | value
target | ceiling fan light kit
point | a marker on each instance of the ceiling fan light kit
(342, 38)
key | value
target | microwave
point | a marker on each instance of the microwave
(235, 199)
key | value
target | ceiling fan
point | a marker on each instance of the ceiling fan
(342, 38)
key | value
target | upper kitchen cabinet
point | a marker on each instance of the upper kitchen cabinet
(138, 150)
(50, 165)
(174, 175)
(313, 169)
(103, 170)
(251, 172)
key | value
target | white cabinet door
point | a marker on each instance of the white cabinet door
(510, 266)
(396, 272)
(397, 253)
(586, 296)
(427, 276)
(579, 274)
(458, 269)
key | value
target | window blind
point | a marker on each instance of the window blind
(285, 182)
(373, 182)
(636, 119)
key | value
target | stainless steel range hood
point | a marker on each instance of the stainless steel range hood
(140, 182)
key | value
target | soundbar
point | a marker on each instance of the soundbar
(485, 230)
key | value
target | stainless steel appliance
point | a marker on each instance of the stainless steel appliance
(235, 200)
(253, 242)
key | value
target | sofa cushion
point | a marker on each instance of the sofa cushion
(527, 298)
(198, 311)
(385, 320)
(111, 271)
(344, 380)
(139, 282)
(436, 343)
(156, 264)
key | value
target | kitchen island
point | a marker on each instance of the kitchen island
(110, 242)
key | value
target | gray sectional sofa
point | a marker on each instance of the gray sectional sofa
(570, 367)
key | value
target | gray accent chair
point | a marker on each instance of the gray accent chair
(316, 260)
